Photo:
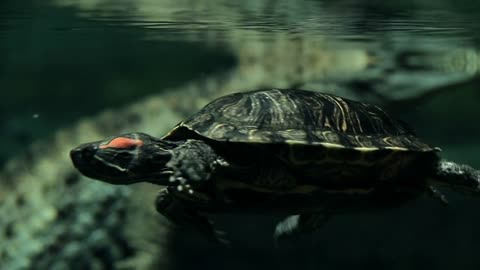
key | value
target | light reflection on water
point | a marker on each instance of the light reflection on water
(345, 20)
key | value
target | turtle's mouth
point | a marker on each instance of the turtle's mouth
(109, 165)
(145, 162)
(82, 157)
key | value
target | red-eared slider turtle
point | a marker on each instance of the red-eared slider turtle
(293, 151)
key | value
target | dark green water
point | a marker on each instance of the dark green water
(64, 60)
(61, 61)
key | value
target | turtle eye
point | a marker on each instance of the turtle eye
(122, 142)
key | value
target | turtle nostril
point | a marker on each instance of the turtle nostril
(75, 153)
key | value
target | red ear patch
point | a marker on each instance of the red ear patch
(122, 142)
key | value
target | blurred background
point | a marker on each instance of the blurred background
(73, 71)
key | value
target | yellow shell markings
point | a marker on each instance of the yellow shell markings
(282, 108)
(359, 124)
(326, 158)
(299, 139)
(309, 118)
(348, 118)
(249, 117)
(327, 123)
(253, 135)
(386, 140)
(348, 113)
(276, 110)
(339, 115)
(362, 141)
(319, 107)
(250, 122)
(219, 130)
(238, 108)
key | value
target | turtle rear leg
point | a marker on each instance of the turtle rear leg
(183, 215)
(459, 177)
(298, 224)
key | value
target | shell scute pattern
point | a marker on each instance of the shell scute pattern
(301, 117)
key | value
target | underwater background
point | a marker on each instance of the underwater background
(73, 71)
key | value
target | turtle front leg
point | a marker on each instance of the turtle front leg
(193, 163)
(298, 224)
(183, 215)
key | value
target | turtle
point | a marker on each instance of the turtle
(305, 154)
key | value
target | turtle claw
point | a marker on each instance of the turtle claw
(221, 162)
(185, 187)
(435, 193)
(286, 227)
(298, 224)
(182, 184)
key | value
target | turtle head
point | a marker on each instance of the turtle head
(125, 159)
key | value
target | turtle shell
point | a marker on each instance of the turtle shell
(299, 117)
